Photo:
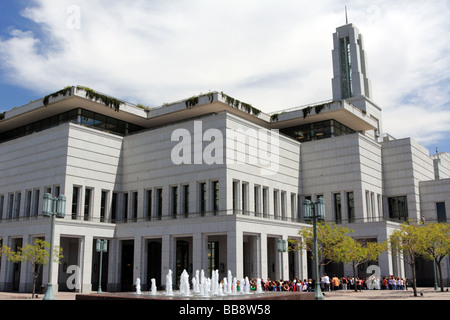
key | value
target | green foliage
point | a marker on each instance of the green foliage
(106, 100)
(240, 105)
(435, 245)
(332, 240)
(56, 94)
(192, 102)
(37, 255)
(407, 240)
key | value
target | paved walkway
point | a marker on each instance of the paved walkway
(423, 294)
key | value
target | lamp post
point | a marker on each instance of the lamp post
(315, 211)
(101, 246)
(53, 207)
(281, 249)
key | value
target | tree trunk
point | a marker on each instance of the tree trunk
(34, 286)
(413, 270)
(441, 282)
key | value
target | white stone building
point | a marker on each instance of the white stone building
(208, 182)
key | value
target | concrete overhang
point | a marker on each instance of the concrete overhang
(341, 111)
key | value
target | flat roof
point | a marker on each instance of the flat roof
(77, 97)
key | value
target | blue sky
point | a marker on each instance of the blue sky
(272, 54)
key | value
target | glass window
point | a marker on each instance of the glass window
(398, 208)
(148, 202)
(87, 203)
(215, 188)
(440, 210)
(350, 207)
(100, 121)
(202, 197)
(186, 199)
(174, 200)
(159, 202)
(337, 208)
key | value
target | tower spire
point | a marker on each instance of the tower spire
(346, 17)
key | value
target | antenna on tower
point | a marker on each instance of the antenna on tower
(346, 18)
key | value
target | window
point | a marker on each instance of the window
(276, 208)
(75, 195)
(244, 198)
(17, 205)
(36, 197)
(215, 189)
(134, 205)
(350, 207)
(265, 202)
(2, 200)
(159, 202)
(398, 208)
(257, 195)
(103, 205)
(283, 205)
(235, 196)
(125, 206)
(10, 205)
(114, 204)
(337, 208)
(174, 200)
(203, 197)
(148, 204)
(186, 200)
(87, 203)
(317, 130)
(28, 200)
(440, 211)
(213, 256)
(80, 116)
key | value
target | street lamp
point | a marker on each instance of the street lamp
(53, 207)
(281, 249)
(315, 211)
(101, 246)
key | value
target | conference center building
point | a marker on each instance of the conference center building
(208, 183)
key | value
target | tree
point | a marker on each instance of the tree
(356, 253)
(37, 254)
(435, 245)
(408, 240)
(331, 241)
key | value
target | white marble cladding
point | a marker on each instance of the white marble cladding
(340, 165)
(405, 164)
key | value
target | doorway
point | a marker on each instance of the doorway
(126, 274)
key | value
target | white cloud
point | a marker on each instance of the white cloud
(272, 54)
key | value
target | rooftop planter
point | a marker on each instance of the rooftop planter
(113, 103)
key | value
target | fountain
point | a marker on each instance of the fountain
(234, 286)
(205, 288)
(229, 281)
(154, 290)
(169, 290)
(184, 284)
(247, 286)
(138, 286)
(259, 286)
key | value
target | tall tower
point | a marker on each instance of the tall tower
(349, 64)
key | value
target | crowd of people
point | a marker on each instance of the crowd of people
(334, 283)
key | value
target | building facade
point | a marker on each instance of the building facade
(208, 183)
